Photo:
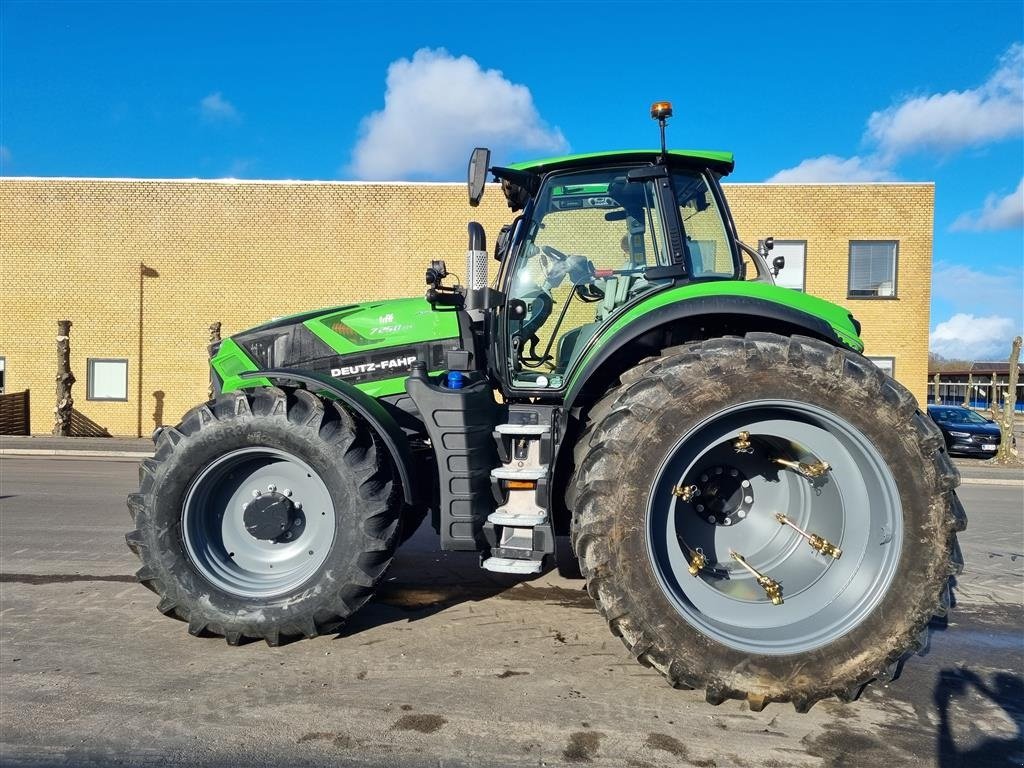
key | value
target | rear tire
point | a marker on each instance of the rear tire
(719, 631)
(204, 542)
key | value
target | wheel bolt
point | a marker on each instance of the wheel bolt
(298, 505)
(257, 493)
(271, 487)
(287, 491)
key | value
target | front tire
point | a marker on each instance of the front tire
(265, 514)
(887, 500)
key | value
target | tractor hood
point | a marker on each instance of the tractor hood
(371, 345)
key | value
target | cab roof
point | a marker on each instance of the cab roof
(721, 162)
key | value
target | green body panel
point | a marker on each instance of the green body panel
(348, 331)
(833, 314)
(381, 324)
(231, 361)
(721, 161)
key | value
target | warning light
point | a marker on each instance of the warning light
(661, 110)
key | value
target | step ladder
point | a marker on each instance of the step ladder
(520, 529)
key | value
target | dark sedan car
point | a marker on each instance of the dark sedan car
(966, 431)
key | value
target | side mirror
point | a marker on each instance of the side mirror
(479, 161)
(501, 244)
(777, 264)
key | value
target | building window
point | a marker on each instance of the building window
(795, 252)
(887, 364)
(107, 379)
(3, 366)
(873, 269)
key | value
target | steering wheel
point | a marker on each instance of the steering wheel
(554, 253)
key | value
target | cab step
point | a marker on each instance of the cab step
(512, 565)
(519, 530)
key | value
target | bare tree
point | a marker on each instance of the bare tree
(1007, 451)
(65, 378)
(214, 338)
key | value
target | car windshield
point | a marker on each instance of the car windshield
(958, 416)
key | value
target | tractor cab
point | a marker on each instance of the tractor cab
(598, 234)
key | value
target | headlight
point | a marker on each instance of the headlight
(268, 350)
(959, 434)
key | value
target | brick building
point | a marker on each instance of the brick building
(143, 267)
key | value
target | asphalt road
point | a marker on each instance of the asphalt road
(450, 666)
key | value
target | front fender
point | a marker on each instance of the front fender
(367, 407)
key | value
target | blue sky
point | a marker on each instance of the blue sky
(799, 91)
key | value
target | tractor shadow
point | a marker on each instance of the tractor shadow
(1003, 689)
(424, 580)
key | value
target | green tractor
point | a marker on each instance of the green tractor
(758, 511)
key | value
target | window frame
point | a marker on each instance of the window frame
(803, 276)
(90, 379)
(892, 362)
(895, 271)
(3, 374)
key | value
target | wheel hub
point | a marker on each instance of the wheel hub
(271, 517)
(724, 496)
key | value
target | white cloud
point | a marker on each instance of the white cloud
(437, 107)
(998, 290)
(216, 108)
(956, 119)
(999, 213)
(942, 122)
(968, 337)
(832, 168)
(240, 167)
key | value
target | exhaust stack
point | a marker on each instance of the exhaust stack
(476, 258)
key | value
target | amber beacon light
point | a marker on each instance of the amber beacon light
(661, 110)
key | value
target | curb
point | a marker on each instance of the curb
(79, 454)
(990, 481)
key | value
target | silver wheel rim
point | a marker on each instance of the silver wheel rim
(855, 506)
(214, 519)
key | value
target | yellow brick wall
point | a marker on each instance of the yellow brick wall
(241, 253)
(828, 217)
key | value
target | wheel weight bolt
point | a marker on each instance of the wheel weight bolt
(771, 587)
(271, 487)
(816, 542)
(697, 561)
(810, 471)
(685, 492)
(742, 443)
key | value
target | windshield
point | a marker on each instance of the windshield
(590, 241)
(957, 416)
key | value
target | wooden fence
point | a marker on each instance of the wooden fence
(14, 414)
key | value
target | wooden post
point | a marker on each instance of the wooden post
(1007, 451)
(214, 338)
(65, 378)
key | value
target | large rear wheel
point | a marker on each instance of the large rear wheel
(265, 514)
(765, 518)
